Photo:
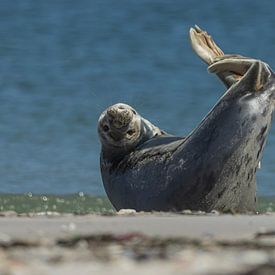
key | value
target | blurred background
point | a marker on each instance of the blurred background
(63, 62)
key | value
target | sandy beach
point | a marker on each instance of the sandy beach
(157, 243)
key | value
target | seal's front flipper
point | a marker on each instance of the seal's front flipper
(206, 48)
(255, 73)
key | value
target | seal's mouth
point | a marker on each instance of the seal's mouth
(116, 136)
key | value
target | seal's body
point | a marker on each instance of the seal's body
(213, 168)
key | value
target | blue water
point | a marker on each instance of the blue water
(63, 62)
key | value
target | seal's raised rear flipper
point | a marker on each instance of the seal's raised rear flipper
(206, 48)
(203, 45)
(255, 73)
(236, 65)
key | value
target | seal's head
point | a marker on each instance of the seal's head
(119, 127)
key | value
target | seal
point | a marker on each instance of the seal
(214, 167)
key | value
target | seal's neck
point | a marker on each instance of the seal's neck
(147, 131)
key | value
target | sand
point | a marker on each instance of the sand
(155, 243)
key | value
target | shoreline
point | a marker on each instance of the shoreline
(80, 203)
(163, 243)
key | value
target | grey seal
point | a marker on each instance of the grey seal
(214, 167)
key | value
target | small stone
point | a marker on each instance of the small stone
(52, 213)
(187, 212)
(9, 213)
(44, 198)
(200, 212)
(215, 212)
(126, 212)
(72, 226)
(68, 227)
(4, 238)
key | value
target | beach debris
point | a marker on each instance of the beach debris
(265, 233)
(68, 227)
(8, 213)
(127, 212)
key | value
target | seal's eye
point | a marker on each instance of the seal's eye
(105, 128)
(130, 132)
(134, 112)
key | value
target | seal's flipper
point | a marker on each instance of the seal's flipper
(236, 65)
(206, 48)
(203, 45)
(255, 73)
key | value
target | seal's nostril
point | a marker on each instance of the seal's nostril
(105, 128)
(121, 107)
(131, 132)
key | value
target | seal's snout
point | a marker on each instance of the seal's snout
(119, 125)
(119, 116)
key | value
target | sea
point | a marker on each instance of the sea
(63, 62)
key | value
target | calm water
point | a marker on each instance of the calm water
(63, 62)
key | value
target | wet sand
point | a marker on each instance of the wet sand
(155, 243)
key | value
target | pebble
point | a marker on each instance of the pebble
(8, 213)
(127, 212)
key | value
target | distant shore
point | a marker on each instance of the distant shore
(147, 243)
